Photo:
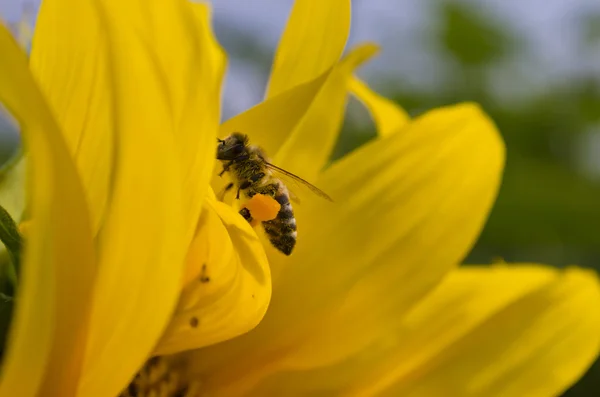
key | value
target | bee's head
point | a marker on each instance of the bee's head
(232, 147)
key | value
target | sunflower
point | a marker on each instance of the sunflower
(130, 256)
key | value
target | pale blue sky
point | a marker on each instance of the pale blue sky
(400, 26)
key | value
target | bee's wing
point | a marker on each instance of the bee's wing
(277, 170)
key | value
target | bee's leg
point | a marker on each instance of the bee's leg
(245, 212)
(223, 192)
(243, 185)
(248, 183)
(225, 168)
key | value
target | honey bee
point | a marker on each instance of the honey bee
(253, 174)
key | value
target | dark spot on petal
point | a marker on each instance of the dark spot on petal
(194, 322)
(203, 277)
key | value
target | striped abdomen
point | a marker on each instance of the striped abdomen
(282, 230)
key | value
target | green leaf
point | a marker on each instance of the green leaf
(471, 37)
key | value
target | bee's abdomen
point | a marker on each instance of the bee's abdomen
(282, 230)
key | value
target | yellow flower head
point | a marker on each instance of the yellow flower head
(130, 255)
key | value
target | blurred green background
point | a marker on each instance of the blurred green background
(547, 210)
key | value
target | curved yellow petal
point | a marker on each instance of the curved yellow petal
(313, 41)
(498, 331)
(193, 64)
(484, 331)
(309, 146)
(299, 127)
(388, 116)
(408, 208)
(142, 243)
(70, 61)
(83, 54)
(269, 123)
(52, 314)
(231, 292)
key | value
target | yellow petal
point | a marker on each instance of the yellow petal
(499, 331)
(142, 243)
(52, 313)
(232, 291)
(388, 116)
(70, 61)
(177, 79)
(300, 126)
(193, 63)
(313, 41)
(408, 208)
(269, 123)
(309, 146)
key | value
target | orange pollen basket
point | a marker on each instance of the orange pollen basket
(263, 208)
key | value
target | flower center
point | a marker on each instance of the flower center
(160, 378)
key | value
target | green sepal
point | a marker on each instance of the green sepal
(6, 311)
(12, 199)
(12, 208)
(10, 236)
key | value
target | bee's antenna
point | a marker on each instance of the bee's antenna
(220, 140)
